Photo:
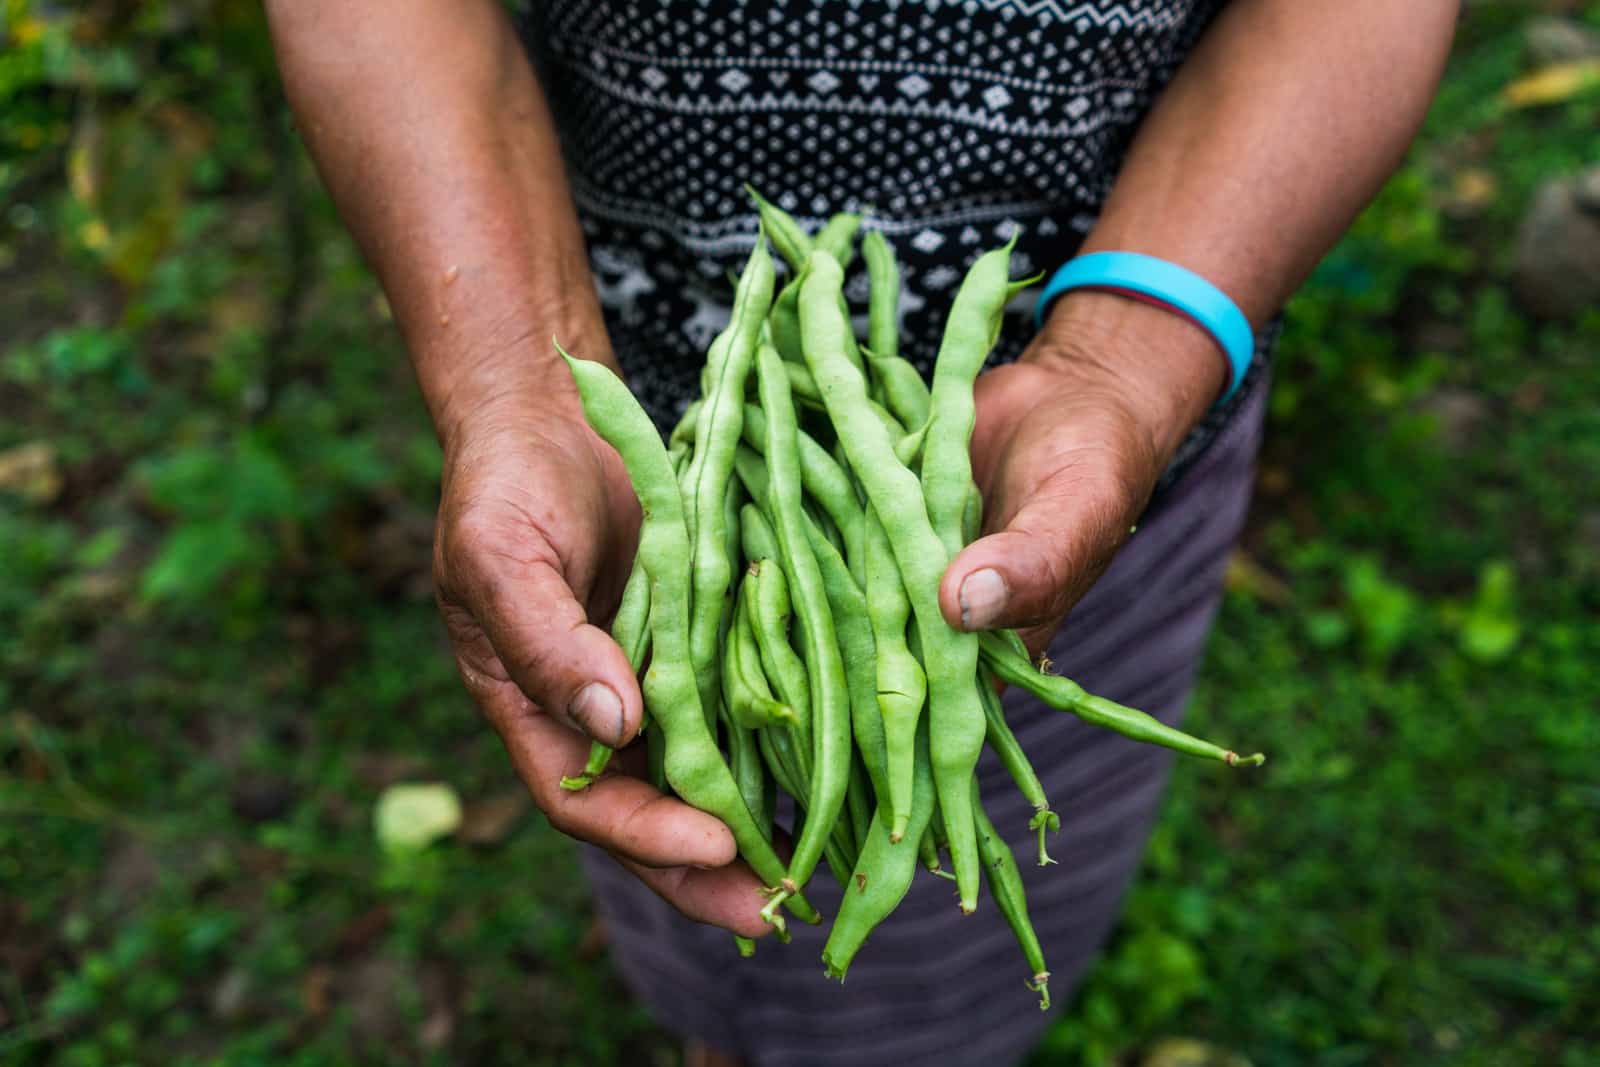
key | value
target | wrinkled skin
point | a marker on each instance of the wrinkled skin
(537, 528)
(1068, 445)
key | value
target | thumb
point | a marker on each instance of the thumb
(1031, 572)
(566, 665)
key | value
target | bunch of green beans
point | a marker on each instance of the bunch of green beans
(784, 602)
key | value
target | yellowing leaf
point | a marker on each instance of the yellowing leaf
(412, 815)
(1555, 84)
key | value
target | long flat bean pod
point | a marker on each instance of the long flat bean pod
(830, 710)
(969, 333)
(950, 658)
(859, 652)
(693, 766)
(903, 388)
(706, 482)
(1064, 694)
(901, 686)
(882, 875)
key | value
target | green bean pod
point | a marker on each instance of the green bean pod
(783, 764)
(928, 852)
(851, 619)
(747, 697)
(1016, 763)
(969, 334)
(837, 238)
(903, 387)
(901, 687)
(950, 658)
(883, 297)
(682, 436)
(1063, 694)
(786, 234)
(749, 773)
(783, 321)
(830, 710)
(705, 484)
(630, 629)
(1005, 883)
(824, 480)
(769, 619)
(800, 383)
(881, 877)
(693, 765)
(767, 590)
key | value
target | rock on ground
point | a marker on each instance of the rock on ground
(1557, 272)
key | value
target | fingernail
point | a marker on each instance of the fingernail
(598, 710)
(983, 598)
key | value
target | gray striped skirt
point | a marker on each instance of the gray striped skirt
(931, 983)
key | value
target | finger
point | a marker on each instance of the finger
(622, 814)
(542, 637)
(729, 897)
(1029, 573)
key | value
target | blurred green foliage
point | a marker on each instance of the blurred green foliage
(217, 643)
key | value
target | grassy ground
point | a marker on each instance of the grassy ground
(217, 643)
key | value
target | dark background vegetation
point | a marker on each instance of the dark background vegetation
(217, 645)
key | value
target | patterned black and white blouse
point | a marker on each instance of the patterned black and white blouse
(949, 125)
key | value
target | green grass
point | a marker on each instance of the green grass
(217, 642)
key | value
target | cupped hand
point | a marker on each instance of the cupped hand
(1068, 445)
(536, 531)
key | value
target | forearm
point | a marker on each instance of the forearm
(430, 130)
(1281, 125)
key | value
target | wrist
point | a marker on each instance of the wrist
(1159, 366)
(503, 385)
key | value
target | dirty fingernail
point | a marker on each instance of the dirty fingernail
(983, 598)
(598, 711)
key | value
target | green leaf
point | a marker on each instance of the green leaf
(1490, 630)
(1384, 611)
(195, 557)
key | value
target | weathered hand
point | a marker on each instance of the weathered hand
(537, 527)
(1069, 443)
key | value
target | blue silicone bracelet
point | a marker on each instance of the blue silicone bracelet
(1168, 283)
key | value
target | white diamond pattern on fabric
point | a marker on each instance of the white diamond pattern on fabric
(949, 124)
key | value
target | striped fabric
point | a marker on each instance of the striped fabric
(931, 984)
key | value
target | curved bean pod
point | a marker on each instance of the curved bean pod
(859, 652)
(950, 658)
(706, 482)
(1005, 882)
(901, 687)
(837, 237)
(747, 698)
(882, 875)
(692, 764)
(769, 620)
(1064, 694)
(830, 710)
(1016, 763)
(786, 235)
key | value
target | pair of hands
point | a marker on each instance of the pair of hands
(538, 523)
